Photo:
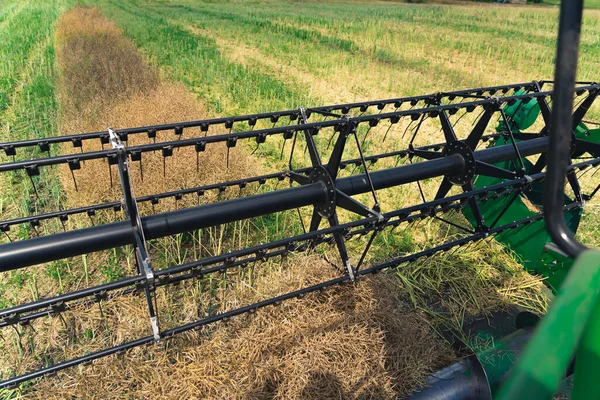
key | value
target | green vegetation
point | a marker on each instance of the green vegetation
(586, 3)
(28, 109)
(27, 101)
(246, 57)
(277, 55)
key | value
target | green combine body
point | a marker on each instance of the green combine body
(544, 349)
(531, 244)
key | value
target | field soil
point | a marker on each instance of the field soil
(86, 65)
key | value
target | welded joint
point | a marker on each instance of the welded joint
(302, 111)
(378, 215)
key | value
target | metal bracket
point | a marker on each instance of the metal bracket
(320, 174)
(462, 149)
(131, 211)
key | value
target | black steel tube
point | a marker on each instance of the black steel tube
(204, 216)
(497, 154)
(62, 159)
(215, 186)
(58, 246)
(77, 361)
(463, 380)
(79, 294)
(218, 260)
(428, 169)
(561, 129)
(472, 377)
(250, 308)
(68, 244)
(401, 175)
(55, 160)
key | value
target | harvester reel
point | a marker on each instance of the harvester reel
(493, 180)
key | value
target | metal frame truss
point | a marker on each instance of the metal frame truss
(458, 160)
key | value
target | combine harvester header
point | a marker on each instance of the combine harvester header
(493, 171)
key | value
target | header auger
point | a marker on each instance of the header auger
(490, 169)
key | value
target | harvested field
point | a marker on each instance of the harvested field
(104, 82)
(134, 63)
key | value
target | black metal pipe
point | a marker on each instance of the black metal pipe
(386, 178)
(561, 128)
(401, 175)
(463, 380)
(267, 249)
(216, 186)
(70, 296)
(55, 160)
(477, 376)
(62, 245)
(88, 358)
(527, 148)
(82, 241)
(252, 307)
(204, 216)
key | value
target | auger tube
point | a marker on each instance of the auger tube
(479, 375)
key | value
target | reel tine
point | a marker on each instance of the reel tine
(231, 142)
(330, 140)
(91, 214)
(34, 226)
(366, 135)
(137, 156)
(31, 172)
(63, 219)
(301, 219)
(406, 129)
(110, 177)
(387, 131)
(167, 151)
(282, 148)
(290, 166)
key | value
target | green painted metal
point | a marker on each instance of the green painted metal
(586, 384)
(522, 115)
(531, 243)
(574, 315)
(574, 319)
(498, 359)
